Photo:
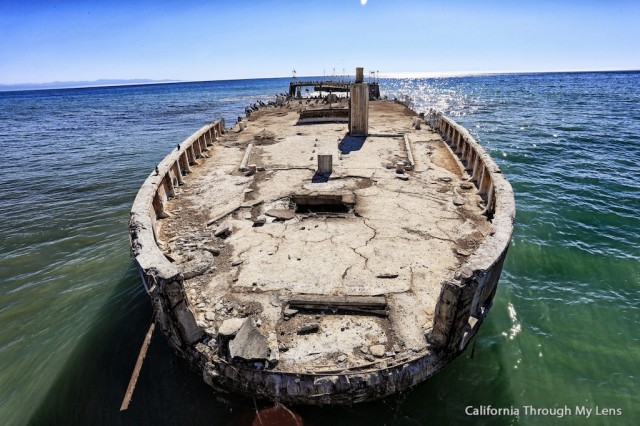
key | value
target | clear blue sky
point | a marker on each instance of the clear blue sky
(209, 40)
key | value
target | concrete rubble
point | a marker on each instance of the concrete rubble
(248, 343)
(231, 326)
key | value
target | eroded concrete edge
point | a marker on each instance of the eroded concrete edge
(162, 280)
(465, 301)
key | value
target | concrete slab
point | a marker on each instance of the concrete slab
(400, 239)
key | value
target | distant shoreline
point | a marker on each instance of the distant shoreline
(24, 87)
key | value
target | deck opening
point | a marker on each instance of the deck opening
(319, 204)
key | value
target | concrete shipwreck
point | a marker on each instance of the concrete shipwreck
(324, 250)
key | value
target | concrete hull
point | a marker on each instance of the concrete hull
(461, 307)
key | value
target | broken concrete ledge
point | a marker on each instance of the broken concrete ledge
(336, 387)
(161, 279)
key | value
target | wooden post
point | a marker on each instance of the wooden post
(359, 109)
(325, 163)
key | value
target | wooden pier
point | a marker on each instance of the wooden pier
(295, 87)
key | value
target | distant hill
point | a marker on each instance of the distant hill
(76, 84)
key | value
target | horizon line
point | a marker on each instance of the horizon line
(87, 84)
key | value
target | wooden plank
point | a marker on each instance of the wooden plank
(342, 309)
(137, 368)
(368, 305)
(378, 302)
(245, 158)
(221, 215)
(407, 145)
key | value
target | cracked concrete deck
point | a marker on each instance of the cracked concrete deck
(401, 240)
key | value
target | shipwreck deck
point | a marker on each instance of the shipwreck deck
(382, 242)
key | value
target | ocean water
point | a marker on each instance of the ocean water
(563, 331)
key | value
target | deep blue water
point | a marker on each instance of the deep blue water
(563, 329)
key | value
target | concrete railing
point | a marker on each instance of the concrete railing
(465, 301)
(161, 278)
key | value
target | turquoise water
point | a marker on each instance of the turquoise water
(563, 330)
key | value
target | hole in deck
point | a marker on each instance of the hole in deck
(319, 204)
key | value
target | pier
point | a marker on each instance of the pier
(295, 87)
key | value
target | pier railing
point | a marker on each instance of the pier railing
(465, 301)
(161, 278)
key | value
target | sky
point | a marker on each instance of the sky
(45, 41)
